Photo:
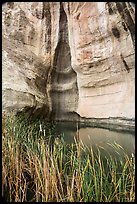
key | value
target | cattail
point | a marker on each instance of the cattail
(40, 128)
(44, 133)
(132, 155)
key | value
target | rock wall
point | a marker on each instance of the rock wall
(70, 60)
(102, 47)
(64, 90)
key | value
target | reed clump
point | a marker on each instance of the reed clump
(37, 167)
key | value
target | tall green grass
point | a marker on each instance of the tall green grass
(37, 167)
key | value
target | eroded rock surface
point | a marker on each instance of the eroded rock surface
(71, 60)
(64, 91)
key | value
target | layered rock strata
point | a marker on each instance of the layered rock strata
(70, 60)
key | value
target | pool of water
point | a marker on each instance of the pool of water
(104, 140)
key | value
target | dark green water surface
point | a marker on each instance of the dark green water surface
(98, 138)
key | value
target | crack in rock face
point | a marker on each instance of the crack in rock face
(64, 91)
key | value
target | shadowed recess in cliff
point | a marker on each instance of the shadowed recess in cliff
(64, 91)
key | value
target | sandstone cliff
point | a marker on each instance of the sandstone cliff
(70, 60)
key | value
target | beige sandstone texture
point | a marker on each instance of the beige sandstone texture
(70, 60)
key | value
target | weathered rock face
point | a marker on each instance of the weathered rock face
(26, 62)
(64, 91)
(71, 60)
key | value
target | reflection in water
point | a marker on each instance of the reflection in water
(104, 139)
